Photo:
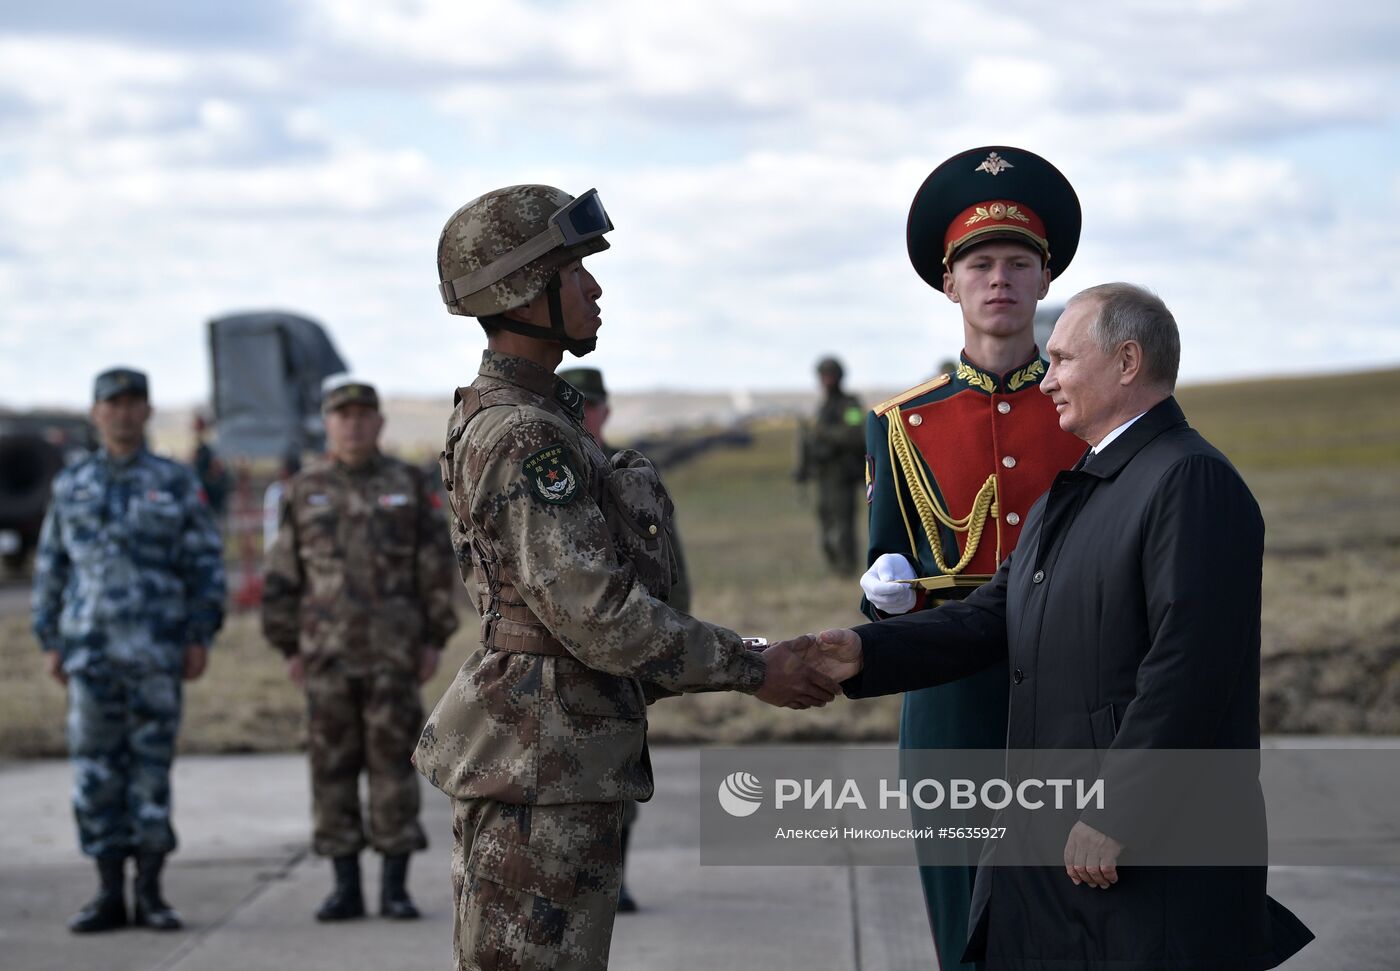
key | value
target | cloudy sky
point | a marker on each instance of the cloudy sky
(163, 162)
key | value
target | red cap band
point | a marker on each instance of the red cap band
(1000, 216)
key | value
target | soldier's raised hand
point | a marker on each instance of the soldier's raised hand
(882, 588)
(792, 683)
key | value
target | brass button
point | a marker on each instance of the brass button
(1018, 676)
(916, 420)
(1013, 519)
(1009, 462)
(652, 529)
(1004, 407)
(1039, 576)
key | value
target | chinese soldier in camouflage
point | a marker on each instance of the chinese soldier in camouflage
(596, 411)
(128, 594)
(542, 735)
(358, 596)
(956, 462)
(833, 454)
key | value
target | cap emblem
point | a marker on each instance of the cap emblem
(994, 164)
(998, 211)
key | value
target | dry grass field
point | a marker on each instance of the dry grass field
(1322, 455)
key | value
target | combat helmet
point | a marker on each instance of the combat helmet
(830, 365)
(503, 249)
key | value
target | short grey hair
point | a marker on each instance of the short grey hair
(1128, 312)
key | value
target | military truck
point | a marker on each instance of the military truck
(34, 446)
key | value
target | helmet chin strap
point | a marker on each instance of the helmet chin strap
(556, 332)
(576, 347)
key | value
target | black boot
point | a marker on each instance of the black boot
(394, 901)
(106, 911)
(625, 903)
(345, 900)
(151, 909)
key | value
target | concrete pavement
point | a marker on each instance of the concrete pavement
(247, 886)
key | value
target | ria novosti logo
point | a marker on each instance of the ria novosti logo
(740, 794)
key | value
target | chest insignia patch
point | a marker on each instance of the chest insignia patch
(551, 478)
(318, 499)
(393, 500)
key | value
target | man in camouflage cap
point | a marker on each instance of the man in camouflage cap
(358, 597)
(128, 594)
(833, 454)
(542, 736)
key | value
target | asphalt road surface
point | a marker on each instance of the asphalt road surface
(247, 886)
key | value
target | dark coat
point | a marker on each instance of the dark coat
(1129, 613)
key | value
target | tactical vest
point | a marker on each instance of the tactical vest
(627, 489)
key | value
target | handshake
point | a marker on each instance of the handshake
(806, 671)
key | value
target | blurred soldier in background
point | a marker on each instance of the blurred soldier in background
(128, 594)
(955, 463)
(358, 596)
(210, 470)
(596, 411)
(832, 451)
(542, 736)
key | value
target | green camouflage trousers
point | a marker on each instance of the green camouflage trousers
(836, 514)
(535, 886)
(357, 724)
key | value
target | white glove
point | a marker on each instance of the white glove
(880, 588)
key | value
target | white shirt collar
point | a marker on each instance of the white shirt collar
(1108, 439)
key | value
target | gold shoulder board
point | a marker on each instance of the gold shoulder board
(914, 392)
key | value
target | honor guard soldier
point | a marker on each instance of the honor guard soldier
(954, 464)
(128, 595)
(358, 597)
(542, 736)
(832, 452)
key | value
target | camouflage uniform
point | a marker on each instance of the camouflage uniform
(834, 455)
(543, 733)
(359, 581)
(129, 571)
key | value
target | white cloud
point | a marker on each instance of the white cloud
(758, 160)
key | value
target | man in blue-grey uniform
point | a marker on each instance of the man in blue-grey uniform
(128, 594)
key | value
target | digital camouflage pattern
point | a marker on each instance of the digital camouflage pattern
(535, 728)
(543, 732)
(833, 456)
(128, 572)
(121, 736)
(359, 581)
(368, 723)
(129, 568)
(498, 223)
(536, 886)
(361, 575)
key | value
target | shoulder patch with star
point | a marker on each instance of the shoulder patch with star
(550, 476)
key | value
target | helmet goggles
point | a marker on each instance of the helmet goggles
(573, 223)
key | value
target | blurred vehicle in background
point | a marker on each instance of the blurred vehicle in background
(268, 368)
(34, 446)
